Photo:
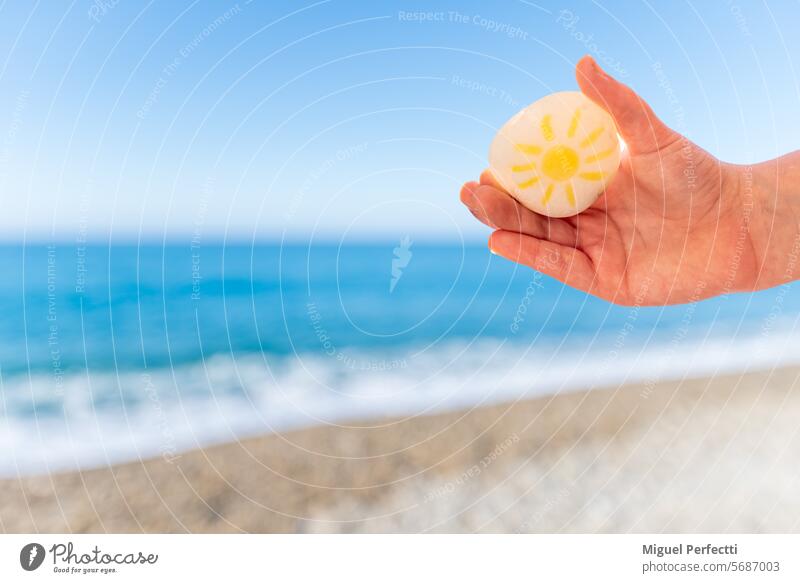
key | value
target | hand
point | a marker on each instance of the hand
(672, 227)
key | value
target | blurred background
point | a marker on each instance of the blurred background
(238, 223)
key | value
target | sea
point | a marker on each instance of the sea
(119, 352)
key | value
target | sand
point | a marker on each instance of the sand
(708, 455)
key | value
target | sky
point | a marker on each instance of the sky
(332, 121)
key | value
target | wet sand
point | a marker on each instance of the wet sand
(707, 455)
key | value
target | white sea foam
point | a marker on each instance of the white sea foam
(103, 418)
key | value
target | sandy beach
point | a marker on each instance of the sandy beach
(707, 455)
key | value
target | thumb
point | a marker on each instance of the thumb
(642, 131)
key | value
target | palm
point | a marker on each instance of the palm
(665, 230)
(653, 236)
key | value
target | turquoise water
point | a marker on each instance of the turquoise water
(116, 352)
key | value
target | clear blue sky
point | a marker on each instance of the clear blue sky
(344, 119)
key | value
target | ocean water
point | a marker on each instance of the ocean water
(118, 352)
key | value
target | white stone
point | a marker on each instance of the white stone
(557, 155)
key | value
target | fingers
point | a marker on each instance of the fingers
(499, 210)
(641, 129)
(470, 200)
(488, 179)
(566, 264)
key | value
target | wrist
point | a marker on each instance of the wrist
(769, 197)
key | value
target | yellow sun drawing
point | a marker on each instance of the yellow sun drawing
(558, 163)
(557, 155)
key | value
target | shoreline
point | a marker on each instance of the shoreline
(77, 436)
(712, 454)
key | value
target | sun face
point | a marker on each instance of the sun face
(557, 155)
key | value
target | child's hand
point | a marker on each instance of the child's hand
(675, 225)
